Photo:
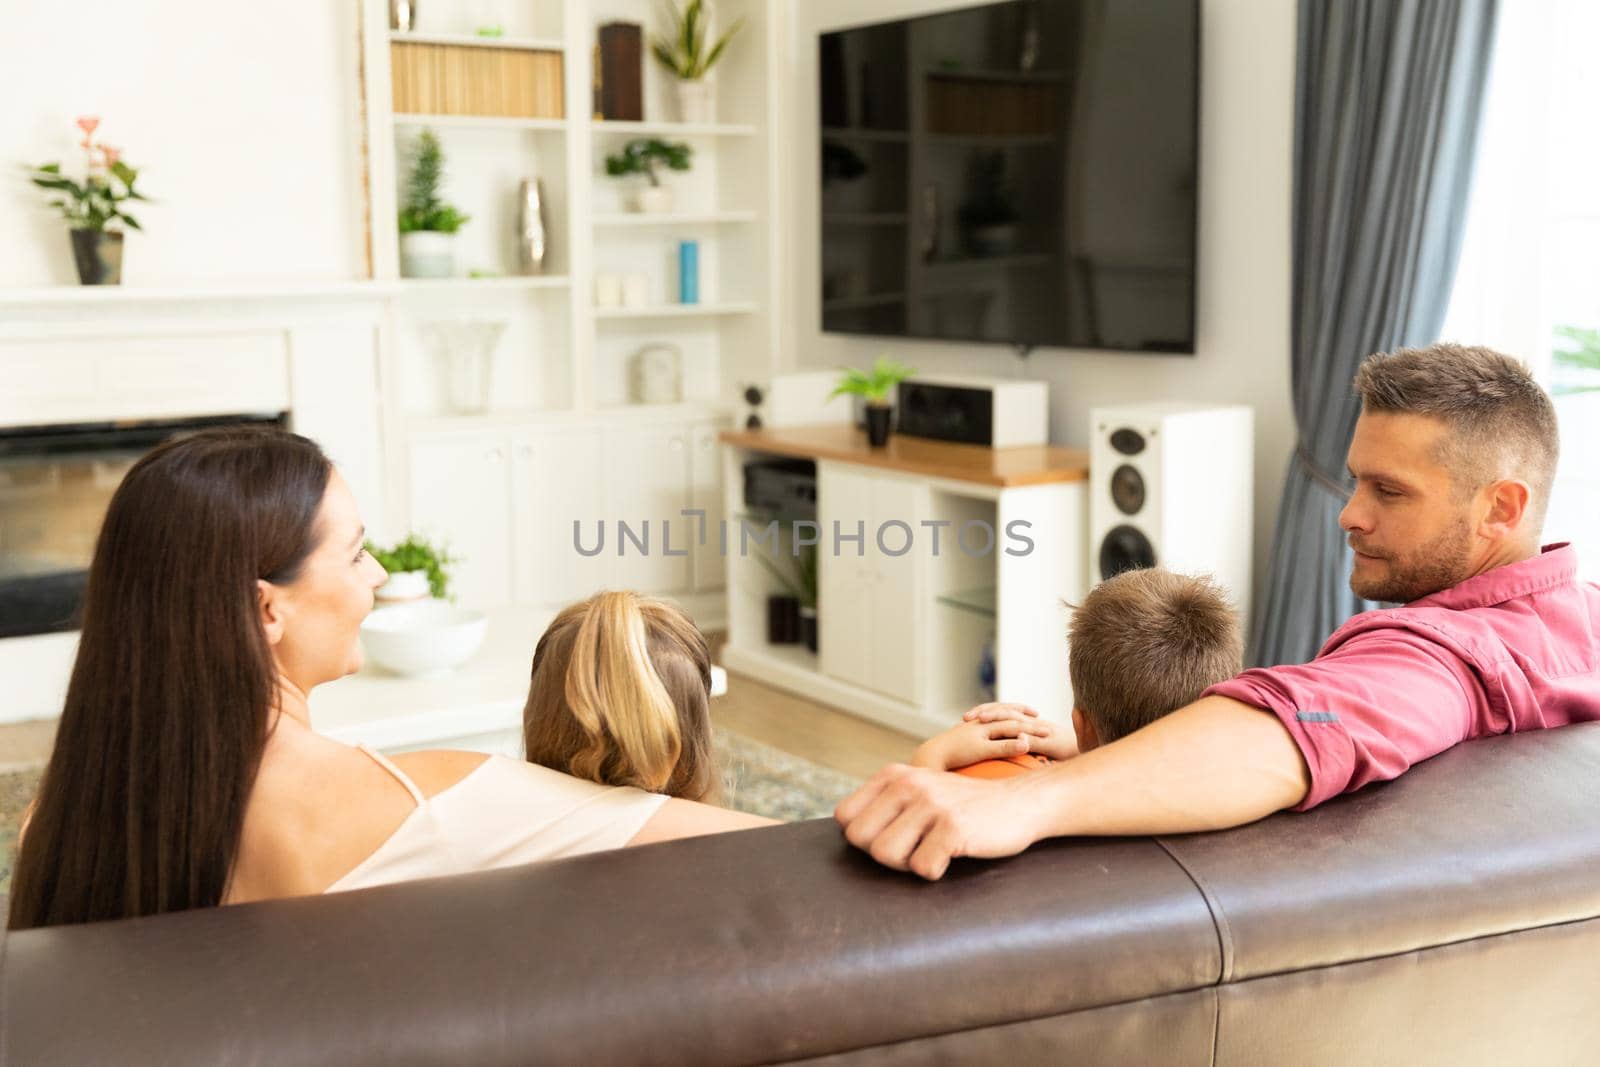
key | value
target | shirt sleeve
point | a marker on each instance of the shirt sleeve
(1367, 711)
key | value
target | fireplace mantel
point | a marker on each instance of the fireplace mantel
(72, 354)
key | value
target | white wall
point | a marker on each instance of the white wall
(1246, 149)
(242, 117)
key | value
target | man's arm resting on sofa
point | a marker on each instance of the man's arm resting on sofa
(1213, 764)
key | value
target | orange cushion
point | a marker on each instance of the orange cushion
(1004, 768)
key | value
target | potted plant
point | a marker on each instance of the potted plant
(427, 224)
(417, 569)
(874, 387)
(684, 53)
(93, 206)
(801, 587)
(645, 156)
(989, 215)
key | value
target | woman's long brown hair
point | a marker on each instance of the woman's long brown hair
(142, 804)
(621, 695)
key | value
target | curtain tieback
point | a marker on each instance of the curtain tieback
(1318, 475)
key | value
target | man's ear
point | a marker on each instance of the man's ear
(269, 600)
(1087, 739)
(1508, 508)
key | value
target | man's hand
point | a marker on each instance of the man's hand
(971, 742)
(1213, 764)
(918, 820)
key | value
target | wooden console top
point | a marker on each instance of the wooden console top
(1003, 467)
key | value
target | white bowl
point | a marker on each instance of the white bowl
(423, 639)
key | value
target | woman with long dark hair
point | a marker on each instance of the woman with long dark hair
(228, 581)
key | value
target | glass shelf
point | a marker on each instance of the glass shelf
(979, 601)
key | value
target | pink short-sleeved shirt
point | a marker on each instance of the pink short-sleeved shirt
(1514, 648)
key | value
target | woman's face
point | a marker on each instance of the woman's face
(314, 622)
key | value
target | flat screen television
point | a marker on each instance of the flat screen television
(1021, 173)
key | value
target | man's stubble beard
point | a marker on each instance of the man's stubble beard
(1438, 564)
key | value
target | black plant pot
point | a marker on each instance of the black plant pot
(98, 254)
(783, 620)
(878, 417)
(808, 627)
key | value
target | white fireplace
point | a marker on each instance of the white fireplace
(124, 356)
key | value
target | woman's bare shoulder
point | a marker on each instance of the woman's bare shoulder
(436, 770)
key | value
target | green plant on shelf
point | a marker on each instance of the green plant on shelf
(423, 209)
(874, 386)
(684, 50)
(416, 553)
(801, 583)
(645, 155)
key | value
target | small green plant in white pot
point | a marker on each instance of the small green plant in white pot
(417, 568)
(427, 224)
(875, 387)
(647, 157)
(685, 53)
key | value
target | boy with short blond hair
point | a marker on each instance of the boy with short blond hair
(1141, 645)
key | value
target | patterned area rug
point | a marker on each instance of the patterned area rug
(763, 781)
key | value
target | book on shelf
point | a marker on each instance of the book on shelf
(438, 79)
(622, 71)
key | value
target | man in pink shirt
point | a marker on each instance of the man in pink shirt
(1453, 458)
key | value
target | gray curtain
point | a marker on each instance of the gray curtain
(1387, 104)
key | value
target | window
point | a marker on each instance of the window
(1529, 277)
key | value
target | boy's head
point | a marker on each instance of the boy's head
(1144, 644)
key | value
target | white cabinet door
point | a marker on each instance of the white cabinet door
(705, 494)
(844, 629)
(646, 490)
(559, 482)
(897, 613)
(461, 493)
(870, 601)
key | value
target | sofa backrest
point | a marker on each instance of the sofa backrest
(1452, 916)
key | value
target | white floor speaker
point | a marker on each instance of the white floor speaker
(1172, 485)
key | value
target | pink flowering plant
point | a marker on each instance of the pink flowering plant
(94, 202)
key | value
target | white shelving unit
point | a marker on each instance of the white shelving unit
(561, 397)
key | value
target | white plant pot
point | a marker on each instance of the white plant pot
(653, 200)
(403, 586)
(427, 254)
(697, 101)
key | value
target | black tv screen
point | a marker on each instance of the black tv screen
(1020, 173)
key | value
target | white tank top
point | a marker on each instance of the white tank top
(505, 812)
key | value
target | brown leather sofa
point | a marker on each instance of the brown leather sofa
(1451, 917)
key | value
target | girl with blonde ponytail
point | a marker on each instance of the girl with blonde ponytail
(621, 695)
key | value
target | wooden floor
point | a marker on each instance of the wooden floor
(812, 731)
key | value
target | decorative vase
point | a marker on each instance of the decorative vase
(878, 416)
(808, 627)
(999, 239)
(783, 620)
(98, 254)
(658, 375)
(531, 229)
(427, 254)
(697, 101)
(403, 15)
(465, 354)
(653, 200)
(404, 586)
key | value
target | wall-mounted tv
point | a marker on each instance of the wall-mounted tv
(1022, 173)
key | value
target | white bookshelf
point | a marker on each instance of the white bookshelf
(562, 369)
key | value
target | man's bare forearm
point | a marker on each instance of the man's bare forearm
(1214, 764)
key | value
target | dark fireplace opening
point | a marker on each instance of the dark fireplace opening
(55, 483)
